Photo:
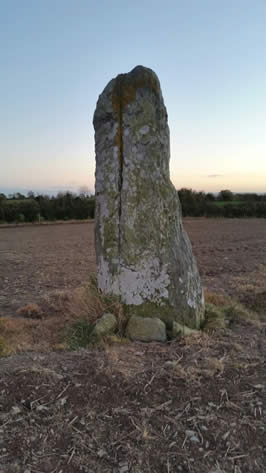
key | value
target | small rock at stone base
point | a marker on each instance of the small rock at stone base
(146, 329)
(182, 330)
(106, 325)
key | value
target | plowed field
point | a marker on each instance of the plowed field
(35, 260)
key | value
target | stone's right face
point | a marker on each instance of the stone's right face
(143, 253)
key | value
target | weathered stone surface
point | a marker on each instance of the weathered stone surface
(146, 329)
(143, 253)
(106, 325)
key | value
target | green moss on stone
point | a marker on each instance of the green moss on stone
(165, 312)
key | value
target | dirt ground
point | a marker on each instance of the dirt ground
(35, 260)
(191, 407)
(196, 405)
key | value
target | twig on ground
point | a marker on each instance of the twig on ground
(64, 390)
(149, 383)
(71, 456)
(73, 420)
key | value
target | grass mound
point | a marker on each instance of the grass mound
(227, 316)
(61, 320)
(64, 320)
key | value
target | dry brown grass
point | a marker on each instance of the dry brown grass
(219, 300)
(215, 318)
(237, 313)
(84, 302)
(43, 327)
(5, 349)
(252, 293)
(32, 311)
(222, 312)
(21, 334)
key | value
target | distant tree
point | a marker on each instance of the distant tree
(30, 210)
(2, 213)
(210, 197)
(226, 195)
(18, 210)
(193, 203)
(16, 196)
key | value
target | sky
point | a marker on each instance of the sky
(57, 56)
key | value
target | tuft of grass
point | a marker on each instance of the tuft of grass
(68, 312)
(252, 293)
(215, 365)
(220, 317)
(216, 299)
(236, 313)
(4, 347)
(214, 318)
(78, 335)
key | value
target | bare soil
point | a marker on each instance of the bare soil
(195, 405)
(192, 406)
(35, 260)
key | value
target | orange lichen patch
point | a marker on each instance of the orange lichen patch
(124, 92)
(126, 85)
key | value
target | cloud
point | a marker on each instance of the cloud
(215, 175)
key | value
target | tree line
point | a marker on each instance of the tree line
(224, 204)
(18, 208)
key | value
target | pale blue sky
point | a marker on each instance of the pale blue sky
(56, 57)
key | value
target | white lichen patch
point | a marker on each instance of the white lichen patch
(143, 283)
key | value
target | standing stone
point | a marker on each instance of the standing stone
(143, 253)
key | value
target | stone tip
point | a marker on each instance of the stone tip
(126, 84)
(143, 73)
(140, 69)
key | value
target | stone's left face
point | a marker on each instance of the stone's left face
(143, 253)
